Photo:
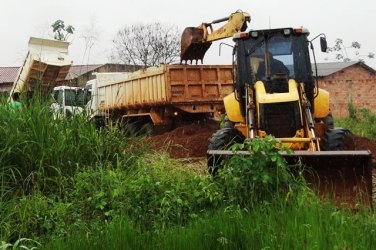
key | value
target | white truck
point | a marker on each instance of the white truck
(68, 101)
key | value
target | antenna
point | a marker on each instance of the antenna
(270, 23)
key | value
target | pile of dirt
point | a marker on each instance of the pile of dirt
(191, 140)
(188, 140)
(363, 143)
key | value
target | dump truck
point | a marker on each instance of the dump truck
(47, 62)
(161, 96)
(275, 93)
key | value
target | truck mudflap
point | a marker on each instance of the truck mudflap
(343, 176)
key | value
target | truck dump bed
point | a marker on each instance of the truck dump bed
(46, 62)
(177, 88)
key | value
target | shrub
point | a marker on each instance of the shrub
(260, 176)
(159, 193)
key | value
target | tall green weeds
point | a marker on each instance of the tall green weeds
(260, 176)
(361, 121)
(39, 159)
(69, 186)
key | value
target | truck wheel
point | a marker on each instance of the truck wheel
(223, 139)
(146, 129)
(338, 139)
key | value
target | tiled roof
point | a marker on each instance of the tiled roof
(8, 74)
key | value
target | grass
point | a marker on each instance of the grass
(361, 122)
(66, 185)
(280, 225)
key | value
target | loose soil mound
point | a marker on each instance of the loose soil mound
(186, 141)
(363, 143)
(191, 140)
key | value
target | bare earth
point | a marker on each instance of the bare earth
(191, 140)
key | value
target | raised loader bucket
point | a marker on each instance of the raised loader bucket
(192, 47)
(343, 176)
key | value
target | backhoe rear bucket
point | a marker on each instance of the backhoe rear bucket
(192, 47)
(343, 176)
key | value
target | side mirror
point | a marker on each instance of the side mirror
(323, 44)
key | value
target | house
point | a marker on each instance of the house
(346, 81)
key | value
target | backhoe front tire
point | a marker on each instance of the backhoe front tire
(338, 139)
(223, 139)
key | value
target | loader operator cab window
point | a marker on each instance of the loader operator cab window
(271, 55)
(276, 67)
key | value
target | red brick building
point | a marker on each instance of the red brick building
(348, 82)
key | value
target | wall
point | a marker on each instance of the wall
(354, 83)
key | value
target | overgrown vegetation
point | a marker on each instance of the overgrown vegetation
(66, 185)
(361, 121)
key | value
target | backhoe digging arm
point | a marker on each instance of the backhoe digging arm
(195, 41)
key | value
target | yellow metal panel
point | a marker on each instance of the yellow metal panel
(322, 108)
(232, 107)
(263, 97)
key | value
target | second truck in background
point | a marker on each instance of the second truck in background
(160, 96)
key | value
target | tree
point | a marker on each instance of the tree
(147, 45)
(342, 51)
(61, 32)
(90, 36)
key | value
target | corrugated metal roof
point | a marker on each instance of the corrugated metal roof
(8, 74)
(325, 69)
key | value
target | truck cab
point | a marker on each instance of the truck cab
(68, 101)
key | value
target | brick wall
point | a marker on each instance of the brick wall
(354, 83)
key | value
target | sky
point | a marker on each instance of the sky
(20, 19)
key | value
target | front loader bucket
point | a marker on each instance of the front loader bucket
(343, 176)
(192, 46)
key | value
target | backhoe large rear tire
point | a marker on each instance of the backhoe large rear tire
(338, 139)
(329, 121)
(223, 139)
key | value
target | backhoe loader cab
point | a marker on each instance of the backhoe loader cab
(273, 57)
(276, 94)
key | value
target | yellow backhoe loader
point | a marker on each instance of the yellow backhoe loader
(195, 41)
(275, 93)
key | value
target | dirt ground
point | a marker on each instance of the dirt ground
(188, 140)
(191, 140)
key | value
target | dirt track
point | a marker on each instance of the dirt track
(191, 140)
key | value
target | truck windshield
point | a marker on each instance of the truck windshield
(75, 97)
